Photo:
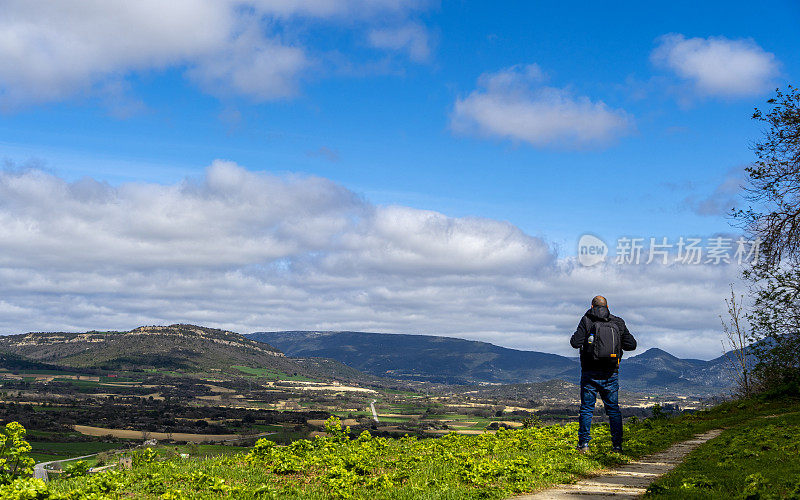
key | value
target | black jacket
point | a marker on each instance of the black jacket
(600, 313)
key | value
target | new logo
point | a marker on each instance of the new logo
(591, 250)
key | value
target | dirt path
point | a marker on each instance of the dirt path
(629, 481)
(40, 469)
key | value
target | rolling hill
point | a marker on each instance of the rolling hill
(367, 358)
(457, 361)
(656, 368)
(163, 347)
(422, 357)
(180, 347)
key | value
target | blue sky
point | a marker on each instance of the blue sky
(558, 119)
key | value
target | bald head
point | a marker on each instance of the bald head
(599, 301)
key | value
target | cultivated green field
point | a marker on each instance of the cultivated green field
(47, 451)
(272, 374)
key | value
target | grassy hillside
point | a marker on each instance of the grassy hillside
(15, 362)
(165, 347)
(167, 350)
(755, 458)
(450, 467)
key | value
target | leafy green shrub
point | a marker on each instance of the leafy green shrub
(333, 426)
(697, 482)
(533, 421)
(142, 457)
(14, 459)
(103, 458)
(658, 412)
(755, 484)
(79, 468)
(486, 466)
(25, 489)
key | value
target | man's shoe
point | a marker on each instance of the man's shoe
(582, 449)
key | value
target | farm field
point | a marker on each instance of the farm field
(47, 451)
(272, 374)
(176, 436)
(186, 409)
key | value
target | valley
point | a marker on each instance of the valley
(185, 385)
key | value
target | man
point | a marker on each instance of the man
(601, 337)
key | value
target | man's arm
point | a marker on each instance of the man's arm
(579, 337)
(628, 342)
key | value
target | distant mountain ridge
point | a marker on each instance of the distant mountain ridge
(355, 356)
(182, 347)
(466, 362)
(175, 346)
(422, 357)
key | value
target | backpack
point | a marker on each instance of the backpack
(603, 341)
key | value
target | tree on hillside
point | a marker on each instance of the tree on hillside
(773, 217)
(735, 345)
(774, 181)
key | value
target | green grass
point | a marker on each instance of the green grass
(162, 371)
(393, 420)
(46, 451)
(401, 392)
(756, 458)
(204, 450)
(82, 383)
(267, 427)
(456, 417)
(753, 450)
(118, 379)
(37, 408)
(412, 409)
(42, 372)
(451, 467)
(272, 374)
(487, 466)
(359, 413)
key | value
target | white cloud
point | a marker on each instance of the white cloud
(50, 51)
(252, 251)
(718, 65)
(328, 8)
(410, 38)
(727, 196)
(513, 104)
(252, 65)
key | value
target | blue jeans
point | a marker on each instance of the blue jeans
(607, 385)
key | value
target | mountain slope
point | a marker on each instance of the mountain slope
(656, 368)
(186, 348)
(423, 357)
(172, 347)
(458, 361)
(13, 362)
